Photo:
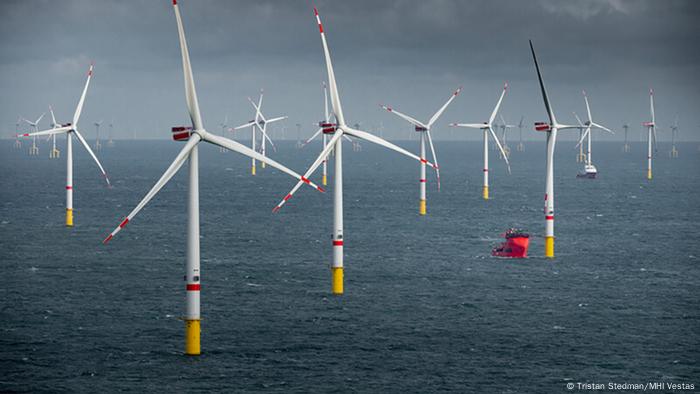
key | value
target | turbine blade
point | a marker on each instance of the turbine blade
(498, 105)
(190, 91)
(321, 157)
(53, 118)
(245, 125)
(550, 111)
(316, 134)
(578, 119)
(404, 116)
(469, 125)
(435, 161)
(167, 175)
(583, 136)
(382, 142)
(335, 99)
(79, 108)
(651, 104)
(588, 107)
(602, 127)
(87, 147)
(495, 138)
(40, 118)
(244, 150)
(277, 119)
(443, 108)
(60, 130)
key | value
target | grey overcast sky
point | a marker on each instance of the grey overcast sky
(410, 54)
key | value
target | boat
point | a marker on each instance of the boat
(517, 242)
(590, 172)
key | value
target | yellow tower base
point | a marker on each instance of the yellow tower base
(649, 174)
(69, 217)
(192, 333)
(422, 209)
(549, 247)
(252, 170)
(337, 284)
(325, 181)
(486, 192)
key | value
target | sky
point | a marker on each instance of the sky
(409, 54)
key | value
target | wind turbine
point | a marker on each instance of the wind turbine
(18, 142)
(674, 130)
(651, 130)
(110, 141)
(626, 146)
(521, 147)
(34, 150)
(580, 156)
(504, 129)
(335, 144)
(54, 153)
(423, 130)
(551, 129)
(71, 129)
(98, 145)
(487, 127)
(194, 135)
(260, 124)
(590, 171)
(325, 128)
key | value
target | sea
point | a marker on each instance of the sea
(426, 307)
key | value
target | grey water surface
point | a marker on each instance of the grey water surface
(426, 308)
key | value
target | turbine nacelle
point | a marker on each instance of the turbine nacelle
(181, 133)
(543, 126)
(648, 124)
(421, 128)
(328, 128)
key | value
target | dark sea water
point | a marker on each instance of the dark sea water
(426, 307)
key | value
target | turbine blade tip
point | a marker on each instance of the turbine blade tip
(109, 238)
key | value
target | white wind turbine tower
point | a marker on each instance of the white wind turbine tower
(335, 144)
(487, 128)
(423, 130)
(521, 147)
(194, 135)
(98, 145)
(258, 124)
(18, 142)
(504, 132)
(34, 150)
(110, 136)
(651, 133)
(626, 146)
(551, 129)
(71, 129)
(54, 153)
(674, 130)
(590, 171)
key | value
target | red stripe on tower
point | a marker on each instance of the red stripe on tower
(549, 217)
(69, 187)
(422, 180)
(338, 242)
(194, 287)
